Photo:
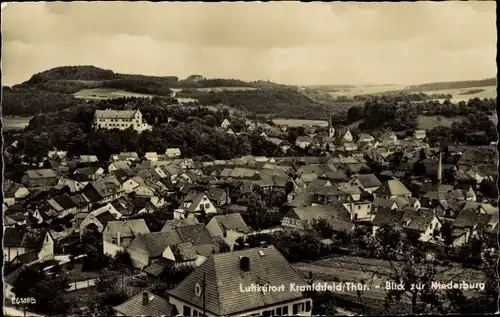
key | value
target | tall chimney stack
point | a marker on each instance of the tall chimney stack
(440, 168)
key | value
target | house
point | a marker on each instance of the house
(359, 210)
(218, 196)
(63, 205)
(181, 255)
(19, 241)
(173, 152)
(73, 184)
(349, 146)
(229, 226)
(118, 234)
(222, 286)
(379, 203)
(225, 124)
(303, 218)
(57, 155)
(89, 173)
(367, 182)
(88, 159)
(151, 156)
(120, 119)
(119, 165)
(419, 134)
(13, 192)
(392, 189)
(146, 247)
(386, 217)
(345, 134)
(466, 226)
(146, 304)
(388, 138)
(365, 138)
(97, 221)
(39, 178)
(103, 190)
(303, 142)
(423, 222)
(195, 203)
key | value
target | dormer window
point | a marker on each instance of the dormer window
(197, 289)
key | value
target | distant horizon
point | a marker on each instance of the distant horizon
(296, 85)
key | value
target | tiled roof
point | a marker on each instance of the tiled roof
(154, 243)
(155, 306)
(10, 188)
(105, 217)
(232, 222)
(41, 173)
(223, 278)
(184, 252)
(32, 238)
(334, 212)
(115, 114)
(368, 180)
(393, 188)
(386, 217)
(197, 234)
(127, 228)
(158, 266)
(176, 223)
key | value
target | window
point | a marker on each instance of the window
(278, 311)
(431, 226)
(207, 206)
(285, 310)
(355, 216)
(298, 308)
(187, 311)
(197, 289)
(359, 207)
(195, 312)
(308, 306)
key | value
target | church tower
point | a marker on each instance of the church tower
(331, 129)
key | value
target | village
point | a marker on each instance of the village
(180, 236)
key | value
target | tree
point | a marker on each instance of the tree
(422, 155)
(489, 188)
(354, 114)
(414, 271)
(107, 294)
(46, 289)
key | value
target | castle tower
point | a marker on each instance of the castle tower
(331, 129)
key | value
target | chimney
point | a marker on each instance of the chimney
(244, 264)
(246, 246)
(145, 298)
(440, 168)
(118, 242)
(263, 244)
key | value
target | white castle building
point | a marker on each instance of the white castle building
(120, 119)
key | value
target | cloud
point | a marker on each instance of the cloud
(290, 42)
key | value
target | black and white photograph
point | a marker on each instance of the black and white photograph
(233, 159)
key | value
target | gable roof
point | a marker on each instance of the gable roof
(156, 306)
(10, 188)
(232, 222)
(223, 278)
(33, 238)
(41, 173)
(387, 217)
(197, 234)
(183, 252)
(127, 228)
(393, 188)
(176, 223)
(368, 180)
(105, 217)
(154, 243)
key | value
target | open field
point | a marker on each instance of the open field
(463, 95)
(366, 90)
(299, 123)
(107, 93)
(15, 123)
(429, 122)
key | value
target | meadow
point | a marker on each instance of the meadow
(299, 123)
(107, 93)
(15, 123)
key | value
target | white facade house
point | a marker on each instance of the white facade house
(120, 119)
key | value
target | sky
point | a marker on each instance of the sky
(285, 42)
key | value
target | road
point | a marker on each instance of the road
(82, 284)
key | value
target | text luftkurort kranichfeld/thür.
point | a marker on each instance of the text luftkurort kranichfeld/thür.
(356, 286)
